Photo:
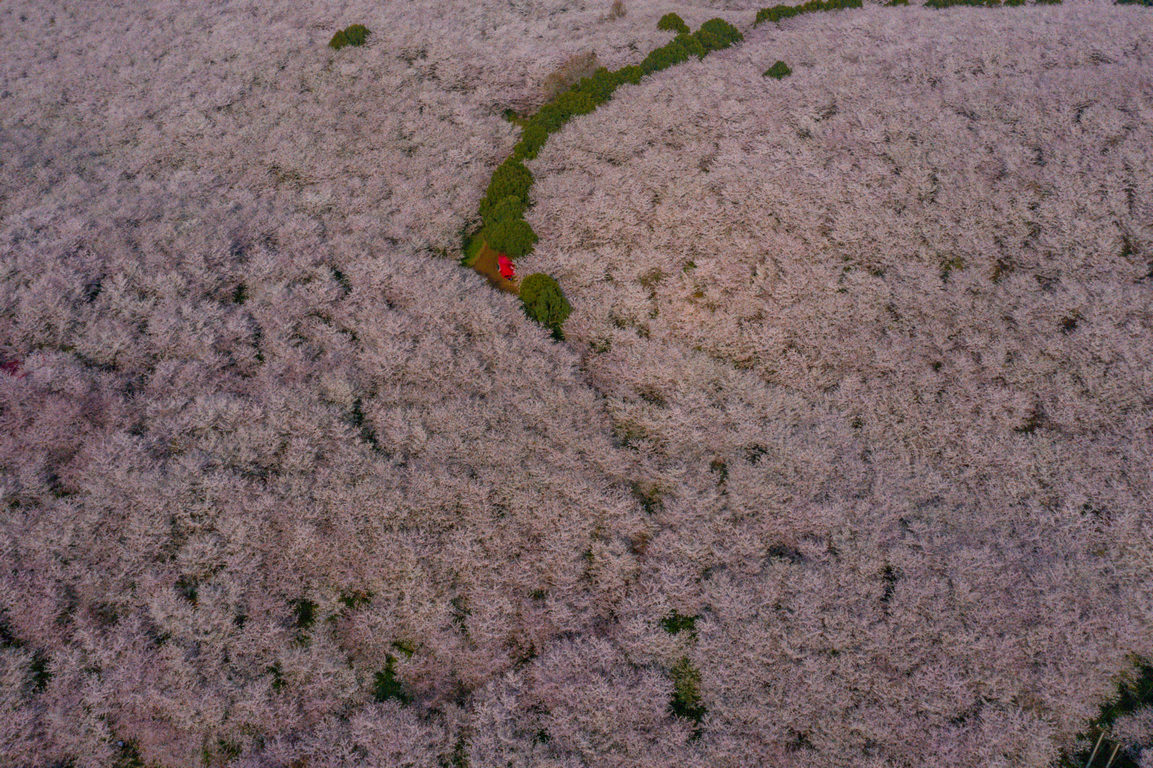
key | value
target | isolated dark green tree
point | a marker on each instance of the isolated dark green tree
(671, 22)
(353, 34)
(356, 34)
(545, 302)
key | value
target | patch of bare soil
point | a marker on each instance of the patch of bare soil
(486, 264)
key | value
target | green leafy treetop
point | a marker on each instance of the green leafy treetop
(512, 237)
(353, 34)
(716, 34)
(671, 22)
(544, 302)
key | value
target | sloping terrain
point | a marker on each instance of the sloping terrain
(845, 459)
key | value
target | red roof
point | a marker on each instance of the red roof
(504, 264)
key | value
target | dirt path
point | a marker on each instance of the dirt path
(485, 263)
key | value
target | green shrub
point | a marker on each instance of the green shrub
(895, 3)
(575, 102)
(532, 138)
(1135, 2)
(598, 86)
(672, 23)
(778, 12)
(781, 69)
(716, 34)
(513, 237)
(630, 74)
(356, 34)
(353, 34)
(692, 44)
(950, 3)
(557, 112)
(511, 207)
(510, 179)
(664, 57)
(775, 13)
(544, 302)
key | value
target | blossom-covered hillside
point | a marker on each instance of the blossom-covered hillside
(844, 459)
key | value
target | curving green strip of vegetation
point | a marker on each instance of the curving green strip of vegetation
(503, 227)
(985, 3)
(779, 12)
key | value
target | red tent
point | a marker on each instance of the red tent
(504, 264)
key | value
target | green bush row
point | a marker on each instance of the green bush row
(503, 227)
(779, 12)
(949, 3)
(590, 92)
(984, 3)
(353, 34)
